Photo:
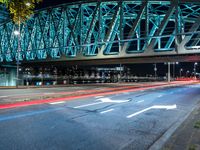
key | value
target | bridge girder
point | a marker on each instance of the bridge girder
(105, 30)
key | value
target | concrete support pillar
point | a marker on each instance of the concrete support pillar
(169, 74)
(8, 77)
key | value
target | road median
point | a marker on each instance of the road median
(81, 94)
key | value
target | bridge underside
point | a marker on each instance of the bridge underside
(126, 60)
(107, 32)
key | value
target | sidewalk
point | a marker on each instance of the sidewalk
(187, 136)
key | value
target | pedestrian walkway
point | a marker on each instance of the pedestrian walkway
(187, 136)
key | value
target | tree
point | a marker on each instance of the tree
(20, 10)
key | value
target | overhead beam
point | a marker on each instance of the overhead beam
(187, 38)
(92, 24)
(111, 28)
(161, 27)
(135, 25)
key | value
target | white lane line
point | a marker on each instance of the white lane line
(91, 104)
(160, 95)
(54, 103)
(140, 101)
(103, 112)
(99, 96)
(3, 96)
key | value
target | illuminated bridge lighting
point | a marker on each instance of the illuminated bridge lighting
(106, 29)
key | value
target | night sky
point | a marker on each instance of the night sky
(47, 3)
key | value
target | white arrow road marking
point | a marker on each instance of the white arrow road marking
(160, 95)
(103, 100)
(103, 112)
(108, 100)
(167, 107)
(91, 104)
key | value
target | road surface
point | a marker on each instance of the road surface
(124, 121)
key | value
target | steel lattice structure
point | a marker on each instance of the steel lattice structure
(106, 29)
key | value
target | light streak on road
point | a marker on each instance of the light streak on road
(3, 96)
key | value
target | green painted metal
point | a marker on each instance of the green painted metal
(99, 29)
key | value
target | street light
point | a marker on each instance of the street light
(187, 73)
(181, 70)
(28, 4)
(155, 70)
(168, 72)
(17, 33)
(174, 67)
(195, 64)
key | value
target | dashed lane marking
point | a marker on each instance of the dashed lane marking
(140, 101)
(106, 111)
(54, 103)
(99, 96)
(160, 95)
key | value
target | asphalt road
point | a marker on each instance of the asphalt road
(127, 121)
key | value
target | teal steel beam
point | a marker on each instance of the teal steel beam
(99, 29)
(135, 25)
(162, 26)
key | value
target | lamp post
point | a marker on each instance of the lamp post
(17, 33)
(174, 67)
(187, 73)
(168, 74)
(155, 70)
(181, 70)
(195, 64)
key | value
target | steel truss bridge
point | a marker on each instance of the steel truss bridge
(105, 30)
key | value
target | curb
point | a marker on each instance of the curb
(158, 145)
